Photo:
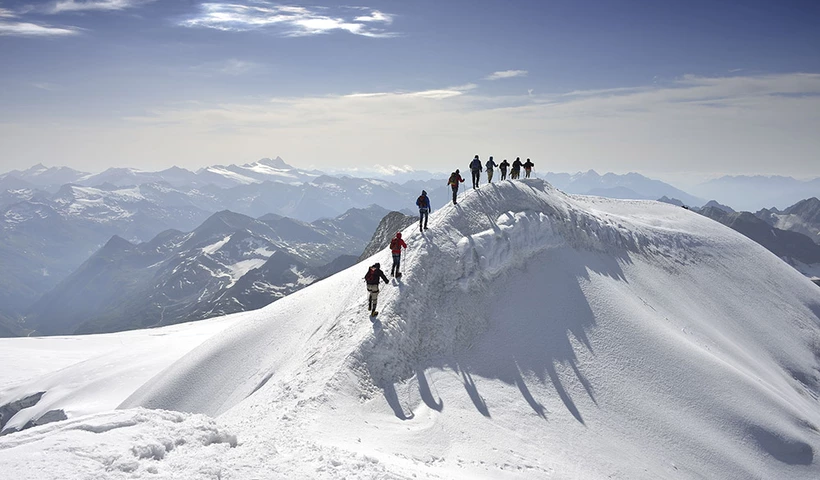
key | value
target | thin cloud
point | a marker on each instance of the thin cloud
(603, 91)
(49, 87)
(701, 122)
(237, 67)
(367, 95)
(232, 67)
(12, 26)
(506, 74)
(290, 20)
(376, 16)
(62, 6)
(465, 88)
(695, 96)
(435, 94)
(11, 23)
(28, 29)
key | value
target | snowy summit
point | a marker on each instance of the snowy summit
(533, 334)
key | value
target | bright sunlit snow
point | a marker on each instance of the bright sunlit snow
(242, 267)
(92, 373)
(211, 249)
(533, 335)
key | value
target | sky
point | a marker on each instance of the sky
(662, 88)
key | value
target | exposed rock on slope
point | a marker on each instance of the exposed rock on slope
(393, 222)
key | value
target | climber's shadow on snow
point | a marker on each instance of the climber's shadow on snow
(477, 399)
(389, 390)
(787, 450)
(537, 319)
(426, 393)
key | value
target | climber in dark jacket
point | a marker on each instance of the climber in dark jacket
(476, 168)
(423, 202)
(516, 168)
(503, 166)
(374, 274)
(527, 168)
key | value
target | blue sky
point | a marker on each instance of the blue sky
(664, 88)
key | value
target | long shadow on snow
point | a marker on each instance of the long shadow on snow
(535, 342)
(426, 393)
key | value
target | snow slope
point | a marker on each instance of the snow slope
(92, 373)
(534, 334)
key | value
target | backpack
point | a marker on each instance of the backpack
(421, 202)
(453, 179)
(371, 276)
(394, 244)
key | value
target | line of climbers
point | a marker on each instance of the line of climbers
(476, 168)
(374, 273)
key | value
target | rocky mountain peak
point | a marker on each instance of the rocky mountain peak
(275, 163)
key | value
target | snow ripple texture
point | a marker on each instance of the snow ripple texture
(122, 444)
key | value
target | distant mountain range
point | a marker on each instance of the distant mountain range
(793, 235)
(53, 219)
(266, 186)
(752, 193)
(628, 186)
(791, 246)
(230, 263)
(46, 232)
(264, 170)
(45, 237)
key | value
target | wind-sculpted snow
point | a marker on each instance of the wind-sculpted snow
(122, 444)
(533, 334)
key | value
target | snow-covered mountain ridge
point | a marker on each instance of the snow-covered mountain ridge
(803, 217)
(230, 263)
(533, 335)
(263, 170)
